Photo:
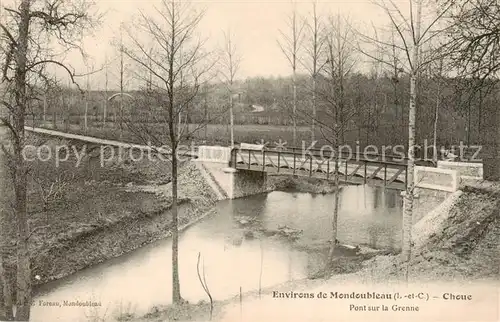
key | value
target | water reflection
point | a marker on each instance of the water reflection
(235, 250)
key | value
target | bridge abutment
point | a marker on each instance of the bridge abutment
(227, 182)
(246, 183)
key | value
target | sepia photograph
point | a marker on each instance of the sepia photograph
(249, 160)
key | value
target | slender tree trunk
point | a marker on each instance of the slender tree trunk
(6, 227)
(231, 116)
(409, 196)
(436, 117)
(294, 122)
(331, 252)
(23, 300)
(480, 117)
(6, 312)
(313, 124)
(206, 115)
(86, 115)
(104, 113)
(176, 288)
(44, 108)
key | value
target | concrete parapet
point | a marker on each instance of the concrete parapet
(218, 154)
(436, 178)
(465, 170)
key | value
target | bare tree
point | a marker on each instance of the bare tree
(122, 71)
(290, 44)
(340, 63)
(315, 55)
(474, 37)
(412, 35)
(24, 30)
(230, 64)
(106, 81)
(176, 61)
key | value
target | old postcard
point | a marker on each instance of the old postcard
(248, 160)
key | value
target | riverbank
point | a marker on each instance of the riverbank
(103, 211)
(458, 244)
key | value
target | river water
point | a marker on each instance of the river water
(235, 249)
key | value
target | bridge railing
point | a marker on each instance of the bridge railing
(360, 169)
(318, 154)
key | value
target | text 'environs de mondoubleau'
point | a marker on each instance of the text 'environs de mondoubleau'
(334, 295)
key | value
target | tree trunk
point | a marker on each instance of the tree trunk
(120, 121)
(45, 108)
(410, 184)
(176, 288)
(6, 296)
(294, 108)
(408, 195)
(86, 115)
(104, 113)
(436, 118)
(231, 116)
(23, 300)
(313, 124)
(331, 252)
(408, 198)
(6, 224)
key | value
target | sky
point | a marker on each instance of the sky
(254, 24)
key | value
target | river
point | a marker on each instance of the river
(235, 252)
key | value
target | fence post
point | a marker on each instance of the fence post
(328, 169)
(310, 165)
(345, 174)
(279, 157)
(263, 160)
(385, 174)
(365, 179)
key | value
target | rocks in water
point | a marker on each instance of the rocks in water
(288, 232)
(249, 234)
(268, 232)
(245, 220)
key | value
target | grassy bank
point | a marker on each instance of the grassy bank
(103, 212)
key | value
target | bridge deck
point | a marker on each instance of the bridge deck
(354, 169)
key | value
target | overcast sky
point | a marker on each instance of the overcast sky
(255, 25)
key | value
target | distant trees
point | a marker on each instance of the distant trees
(474, 43)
